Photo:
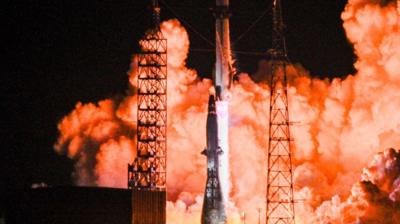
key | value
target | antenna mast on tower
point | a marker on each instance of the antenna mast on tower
(280, 203)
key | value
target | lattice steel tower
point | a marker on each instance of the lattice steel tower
(280, 203)
(148, 171)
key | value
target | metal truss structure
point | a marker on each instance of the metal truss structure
(280, 202)
(148, 170)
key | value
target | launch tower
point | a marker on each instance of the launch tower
(149, 168)
(147, 174)
(280, 204)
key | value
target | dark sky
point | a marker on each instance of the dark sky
(60, 53)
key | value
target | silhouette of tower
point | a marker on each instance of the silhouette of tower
(280, 203)
(148, 171)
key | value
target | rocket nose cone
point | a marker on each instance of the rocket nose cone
(211, 103)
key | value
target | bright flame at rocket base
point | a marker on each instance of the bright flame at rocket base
(345, 123)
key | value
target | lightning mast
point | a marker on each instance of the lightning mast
(148, 171)
(280, 203)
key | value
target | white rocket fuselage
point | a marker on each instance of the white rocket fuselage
(222, 108)
(222, 83)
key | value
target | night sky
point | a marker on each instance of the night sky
(61, 53)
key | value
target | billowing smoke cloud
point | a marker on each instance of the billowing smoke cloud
(343, 124)
(90, 135)
(380, 188)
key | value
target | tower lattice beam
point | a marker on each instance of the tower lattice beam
(148, 171)
(280, 203)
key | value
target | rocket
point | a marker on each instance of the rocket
(213, 206)
(216, 193)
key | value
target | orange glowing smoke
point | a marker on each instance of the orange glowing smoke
(343, 124)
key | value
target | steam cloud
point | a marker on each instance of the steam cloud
(345, 124)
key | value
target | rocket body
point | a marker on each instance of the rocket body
(216, 194)
(213, 206)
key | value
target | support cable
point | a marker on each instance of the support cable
(187, 24)
(251, 26)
